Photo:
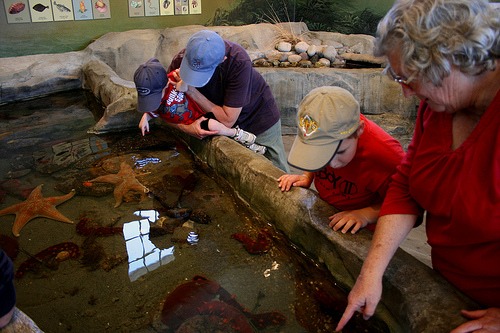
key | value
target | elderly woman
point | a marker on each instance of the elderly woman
(445, 52)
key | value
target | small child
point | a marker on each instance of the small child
(350, 158)
(159, 98)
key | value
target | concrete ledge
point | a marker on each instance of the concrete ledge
(415, 298)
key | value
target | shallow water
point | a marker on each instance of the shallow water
(124, 272)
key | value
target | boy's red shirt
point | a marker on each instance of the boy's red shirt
(177, 107)
(365, 180)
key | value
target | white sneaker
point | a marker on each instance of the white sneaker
(261, 150)
(244, 137)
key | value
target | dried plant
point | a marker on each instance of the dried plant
(284, 28)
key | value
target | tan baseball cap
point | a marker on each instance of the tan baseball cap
(326, 116)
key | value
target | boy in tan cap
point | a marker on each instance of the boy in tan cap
(349, 157)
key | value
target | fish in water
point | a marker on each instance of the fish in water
(16, 8)
(39, 7)
(62, 8)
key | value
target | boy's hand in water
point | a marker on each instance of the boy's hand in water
(144, 123)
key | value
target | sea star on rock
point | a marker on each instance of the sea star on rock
(36, 206)
(124, 181)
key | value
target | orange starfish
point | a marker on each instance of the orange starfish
(124, 181)
(36, 206)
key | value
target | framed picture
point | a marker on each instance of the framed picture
(135, 8)
(167, 7)
(194, 6)
(83, 9)
(40, 11)
(151, 7)
(101, 9)
(62, 10)
(181, 7)
(17, 11)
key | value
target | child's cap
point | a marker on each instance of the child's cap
(150, 79)
(205, 50)
(326, 116)
(7, 291)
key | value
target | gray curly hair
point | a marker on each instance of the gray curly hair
(434, 35)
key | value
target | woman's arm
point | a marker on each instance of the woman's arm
(390, 232)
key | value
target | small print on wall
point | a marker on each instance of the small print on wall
(135, 8)
(101, 9)
(151, 8)
(181, 7)
(62, 10)
(83, 9)
(167, 7)
(40, 11)
(17, 11)
(194, 6)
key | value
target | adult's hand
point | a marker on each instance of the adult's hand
(195, 129)
(390, 232)
(363, 298)
(175, 80)
(174, 77)
(481, 321)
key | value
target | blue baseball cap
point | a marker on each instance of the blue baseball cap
(150, 79)
(205, 50)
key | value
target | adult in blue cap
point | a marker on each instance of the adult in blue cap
(221, 79)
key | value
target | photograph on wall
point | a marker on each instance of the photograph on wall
(17, 11)
(194, 6)
(181, 7)
(152, 7)
(62, 10)
(40, 11)
(83, 9)
(135, 8)
(166, 7)
(101, 9)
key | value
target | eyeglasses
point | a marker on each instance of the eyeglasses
(399, 79)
